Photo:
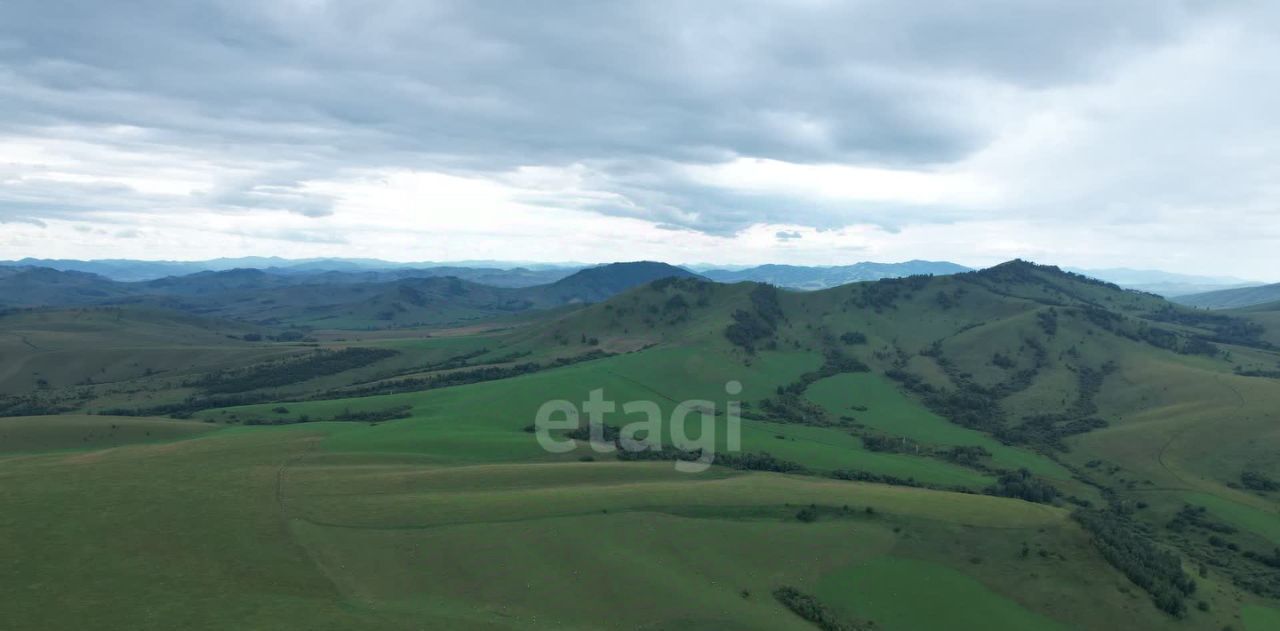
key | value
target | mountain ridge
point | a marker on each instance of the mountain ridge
(332, 298)
(1232, 298)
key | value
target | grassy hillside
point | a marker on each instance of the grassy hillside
(62, 359)
(1016, 448)
(38, 286)
(278, 530)
(1232, 298)
(1265, 315)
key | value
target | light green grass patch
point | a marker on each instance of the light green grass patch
(485, 422)
(414, 497)
(638, 570)
(889, 411)
(1260, 618)
(54, 433)
(907, 595)
(1255, 520)
(828, 449)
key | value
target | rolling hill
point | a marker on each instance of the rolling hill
(1012, 448)
(1164, 283)
(594, 284)
(367, 270)
(39, 286)
(1232, 298)
(330, 299)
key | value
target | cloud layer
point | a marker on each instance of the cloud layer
(1087, 133)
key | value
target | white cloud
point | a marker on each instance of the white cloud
(1091, 134)
(838, 182)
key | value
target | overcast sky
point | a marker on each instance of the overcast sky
(1093, 134)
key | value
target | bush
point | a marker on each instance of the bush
(1022, 485)
(808, 514)
(1124, 544)
(271, 375)
(810, 609)
(853, 338)
(1255, 481)
(759, 323)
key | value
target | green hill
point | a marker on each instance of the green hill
(1014, 448)
(39, 286)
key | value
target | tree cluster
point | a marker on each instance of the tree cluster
(1125, 545)
(320, 363)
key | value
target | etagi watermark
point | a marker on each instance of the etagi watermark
(565, 416)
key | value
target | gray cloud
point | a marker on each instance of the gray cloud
(272, 194)
(276, 94)
(495, 83)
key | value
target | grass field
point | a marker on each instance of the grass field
(1259, 521)
(889, 411)
(917, 596)
(71, 432)
(286, 533)
(1261, 618)
(485, 422)
(454, 517)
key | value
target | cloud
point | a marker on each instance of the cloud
(788, 235)
(685, 125)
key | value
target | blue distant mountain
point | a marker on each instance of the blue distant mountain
(813, 278)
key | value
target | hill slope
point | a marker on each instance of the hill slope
(598, 283)
(1232, 298)
(1166, 284)
(40, 286)
(1039, 449)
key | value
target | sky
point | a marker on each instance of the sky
(1084, 133)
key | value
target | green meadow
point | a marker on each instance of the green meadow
(915, 595)
(203, 474)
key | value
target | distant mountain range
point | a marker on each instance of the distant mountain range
(1165, 284)
(813, 278)
(514, 274)
(493, 273)
(324, 299)
(1232, 298)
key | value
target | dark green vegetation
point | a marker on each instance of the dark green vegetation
(1017, 448)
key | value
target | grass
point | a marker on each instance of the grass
(888, 411)
(327, 495)
(663, 571)
(484, 422)
(455, 518)
(1260, 618)
(184, 534)
(34, 434)
(258, 527)
(1261, 522)
(826, 449)
(914, 595)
